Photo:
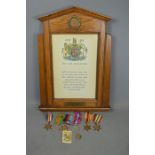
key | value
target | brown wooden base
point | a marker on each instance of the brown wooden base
(73, 109)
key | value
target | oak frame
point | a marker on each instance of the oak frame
(77, 99)
(90, 23)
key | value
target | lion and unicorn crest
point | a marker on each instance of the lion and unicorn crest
(74, 51)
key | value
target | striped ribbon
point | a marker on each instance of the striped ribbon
(68, 119)
(72, 119)
(77, 118)
(97, 118)
(59, 119)
(49, 117)
(88, 117)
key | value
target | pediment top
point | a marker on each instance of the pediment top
(74, 9)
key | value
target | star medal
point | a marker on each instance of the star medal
(49, 119)
(77, 118)
(69, 119)
(97, 127)
(59, 119)
(48, 126)
(97, 121)
(87, 127)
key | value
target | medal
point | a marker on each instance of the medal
(49, 120)
(59, 119)
(97, 127)
(97, 121)
(68, 119)
(77, 118)
(78, 136)
(87, 127)
(48, 126)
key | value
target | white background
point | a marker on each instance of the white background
(13, 77)
(142, 77)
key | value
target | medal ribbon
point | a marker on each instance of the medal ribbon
(49, 118)
(59, 119)
(97, 118)
(68, 119)
(77, 118)
(88, 117)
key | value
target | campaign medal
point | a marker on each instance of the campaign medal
(97, 121)
(77, 118)
(87, 127)
(49, 120)
(59, 119)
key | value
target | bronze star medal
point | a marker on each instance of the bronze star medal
(87, 127)
(48, 126)
(97, 127)
(49, 118)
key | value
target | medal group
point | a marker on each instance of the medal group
(66, 122)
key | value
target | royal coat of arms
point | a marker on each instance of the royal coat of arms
(74, 51)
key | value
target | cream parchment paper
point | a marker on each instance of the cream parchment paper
(74, 74)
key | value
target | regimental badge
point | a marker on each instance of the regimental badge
(74, 23)
(74, 51)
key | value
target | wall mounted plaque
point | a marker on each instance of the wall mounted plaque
(74, 61)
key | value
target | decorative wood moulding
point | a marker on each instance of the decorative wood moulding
(74, 61)
(74, 9)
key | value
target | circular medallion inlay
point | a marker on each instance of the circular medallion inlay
(74, 23)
